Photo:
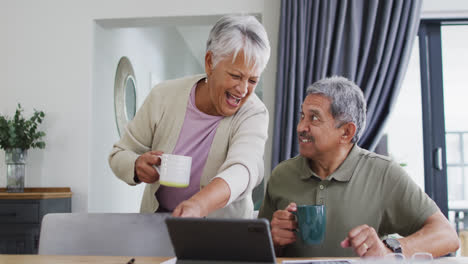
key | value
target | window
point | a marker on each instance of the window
(404, 126)
(444, 59)
(455, 67)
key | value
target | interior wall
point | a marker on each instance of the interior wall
(47, 56)
(47, 50)
(444, 9)
(3, 65)
(159, 52)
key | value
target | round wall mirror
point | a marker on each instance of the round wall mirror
(124, 94)
(130, 98)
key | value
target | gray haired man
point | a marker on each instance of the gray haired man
(367, 196)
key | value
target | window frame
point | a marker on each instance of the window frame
(432, 98)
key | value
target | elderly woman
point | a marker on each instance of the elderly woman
(215, 118)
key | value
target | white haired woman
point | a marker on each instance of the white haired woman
(215, 118)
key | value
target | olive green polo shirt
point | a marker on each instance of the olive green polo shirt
(365, 189)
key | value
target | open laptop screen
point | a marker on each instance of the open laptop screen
(213, 239)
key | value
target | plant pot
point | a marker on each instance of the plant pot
(15, 160)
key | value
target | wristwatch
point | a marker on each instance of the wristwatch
(393, 244)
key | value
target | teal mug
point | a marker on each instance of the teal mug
(311, 223)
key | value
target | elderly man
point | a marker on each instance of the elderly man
(367, 196)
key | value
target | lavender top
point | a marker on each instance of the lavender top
(194, 140)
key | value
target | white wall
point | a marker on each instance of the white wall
(47, 60)
(404, 127)
(158, 51)
(444, 9)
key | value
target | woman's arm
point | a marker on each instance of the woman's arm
(242, 170)
(135, 141)
(214, 196)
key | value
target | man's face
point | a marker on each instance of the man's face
(317, 132)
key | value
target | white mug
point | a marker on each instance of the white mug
(174, 170)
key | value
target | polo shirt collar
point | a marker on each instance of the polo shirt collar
(344, 171)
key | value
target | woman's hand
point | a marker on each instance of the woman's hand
(213, 196)
(144, 170)
(189, 208)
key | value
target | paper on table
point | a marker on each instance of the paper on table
(170, 261)
(319, 261)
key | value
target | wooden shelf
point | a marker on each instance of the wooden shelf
(37, 193)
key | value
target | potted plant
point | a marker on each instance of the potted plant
(17, 135)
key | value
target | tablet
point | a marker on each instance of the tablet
(215, 240)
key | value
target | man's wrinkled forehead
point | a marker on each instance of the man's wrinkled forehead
(315, 103)
(310, 109)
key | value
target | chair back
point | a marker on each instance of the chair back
(105, 234)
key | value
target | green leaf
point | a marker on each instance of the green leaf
(19, 132)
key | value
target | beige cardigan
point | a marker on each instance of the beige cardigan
(239, 139)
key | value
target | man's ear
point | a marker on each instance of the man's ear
(208, 63)
(348, 132)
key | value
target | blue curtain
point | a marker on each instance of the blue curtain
(367, 41)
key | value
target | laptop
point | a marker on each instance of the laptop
(221, 241)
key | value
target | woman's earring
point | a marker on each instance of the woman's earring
(206, 80)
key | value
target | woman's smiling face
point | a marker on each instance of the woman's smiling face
(230, 83)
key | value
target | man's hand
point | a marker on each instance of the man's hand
(283, 224)
(144, 166)
(189, 208)
(365, 242)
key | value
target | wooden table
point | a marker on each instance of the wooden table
(37, 193)
(43, 259)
